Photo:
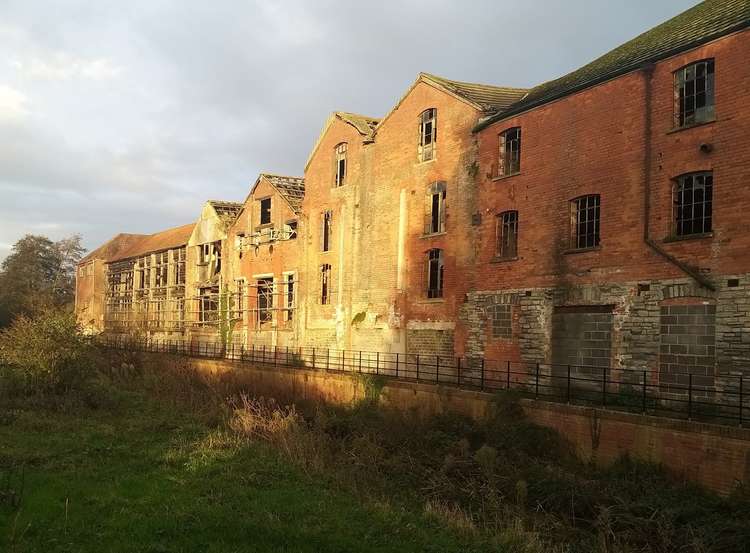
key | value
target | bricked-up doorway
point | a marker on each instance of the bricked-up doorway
(688, 333)
(581, 340)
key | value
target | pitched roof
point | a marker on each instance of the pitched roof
(226, 210)
(166, 239)
(112, 247)
(487, 97)
(700, 24)
(292, 189)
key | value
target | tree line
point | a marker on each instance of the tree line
(38, 274)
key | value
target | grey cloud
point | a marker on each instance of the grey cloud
(202, 96)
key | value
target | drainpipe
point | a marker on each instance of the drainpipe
(684, 267)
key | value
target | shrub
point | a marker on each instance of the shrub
(45, 354)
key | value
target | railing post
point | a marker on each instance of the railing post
(536, 384)
(313, 358)
(377, 363)
(437, 369)
(643, 406)
(604, 387)
(417, 367)
(397, 364)
(328, 358)
(507, 375)
(343, 359)
(264, 354)
(568, 391)
(360, 360)
(275, 357)
(458, 368)
(690, 396)
(481, 375)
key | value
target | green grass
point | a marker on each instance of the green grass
(148, 477)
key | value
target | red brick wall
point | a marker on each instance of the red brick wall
(595, 141)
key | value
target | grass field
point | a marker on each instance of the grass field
(150, 478)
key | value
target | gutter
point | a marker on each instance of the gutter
(684, 267)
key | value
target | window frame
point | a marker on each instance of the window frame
(576, 238)
(264, 290)
(325, 284)
(435, 272)
(341, 164)
(326, 231)
(262, 211)
(503, 227)
(509, 152)
(698, 115)
(434, 223)
(427, 139)
(707, 200)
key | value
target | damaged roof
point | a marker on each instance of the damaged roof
(487, 97)
(292, 189)
(364, 124)
(226, 210)
(159, 241)
(702, 23)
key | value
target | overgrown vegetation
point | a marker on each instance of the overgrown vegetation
(205, 448)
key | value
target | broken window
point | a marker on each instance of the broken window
(239, 308)
(204, 254)
(161, 269)
(265, 300)
(290, 229)
(585, 222)
(427, 134)
(693, 204)
(694, 93)
(325, 284)
(435, 273)
(507, 234)
(290, 302)
(509, 154)
(179, 274)
(435, 209)
(265, 211)
(340, 169)
(209, 304)
(326, 231)
(216, 257)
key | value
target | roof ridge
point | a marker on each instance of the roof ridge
(688, 29)
(445, 79)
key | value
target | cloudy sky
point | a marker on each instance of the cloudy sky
(126, 116)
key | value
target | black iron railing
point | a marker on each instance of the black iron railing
(720, 399)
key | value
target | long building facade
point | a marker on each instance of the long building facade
(598, 220)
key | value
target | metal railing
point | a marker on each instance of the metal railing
(721, 399)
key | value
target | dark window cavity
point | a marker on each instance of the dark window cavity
(507, 234)
(693, 204)
(265, 211)
(326, 231)
(265, 299)
(585, 219)
(325, 284)
(427, 134)
(509, 154)
(340, 168)
(694, 93)
(435, 273)
(435, 208)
